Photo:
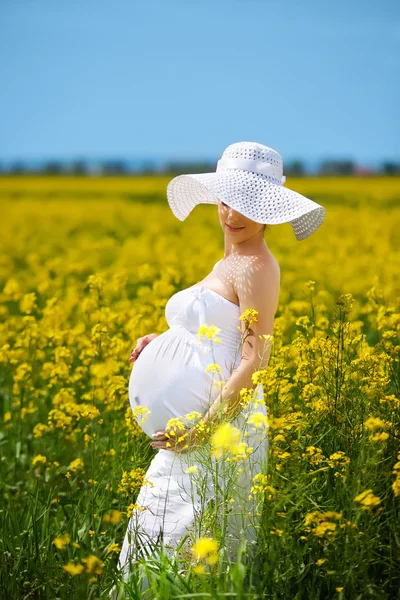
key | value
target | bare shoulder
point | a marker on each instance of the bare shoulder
(257, 283)
(265, 262)
(256, 269)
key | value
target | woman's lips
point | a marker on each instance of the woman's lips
(234, 229)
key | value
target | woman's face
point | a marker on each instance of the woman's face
(244, 227)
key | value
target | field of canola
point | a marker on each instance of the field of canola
(86, 267)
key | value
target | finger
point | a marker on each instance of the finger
(135, 353)
(160, 445)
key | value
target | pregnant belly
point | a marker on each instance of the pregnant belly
(170, 380)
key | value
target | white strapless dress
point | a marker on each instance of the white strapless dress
(170, 379)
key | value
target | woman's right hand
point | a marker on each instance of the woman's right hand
(141, 343)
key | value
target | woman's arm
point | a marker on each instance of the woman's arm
(259, 291)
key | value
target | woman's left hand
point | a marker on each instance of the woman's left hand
(180, 442)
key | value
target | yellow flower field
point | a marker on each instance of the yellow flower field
(86, 267)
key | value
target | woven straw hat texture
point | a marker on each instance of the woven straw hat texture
(248, 178)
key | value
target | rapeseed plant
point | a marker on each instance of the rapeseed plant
(80, 283)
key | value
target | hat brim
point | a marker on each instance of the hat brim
(253, 195)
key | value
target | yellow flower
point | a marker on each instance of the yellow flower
(375, 423)
(323, 522)
(324, 528)
(321, 561)
(317, 516)
(113, 548)
(226, 437)
(95, 282)
(39, 459)
(207, 548)
(338, 459)
(260, 376)
(199, 569)
(93, 564)
(367, 499)
(396, 486)
(380, 437)
(134, 507)
(309, 285)
(28, 303)
(249, 316)
(114, 517)
(213, 368)
(173, 425)
(142, 411)
(193, 416)
(40, 429)
(73, 569)
(266, 337)
(258, 419)
(76, 464)
(283, 455)
(339, 589)
(303, 321)
(12, 289)
(246, 395)
(210, 331)
(332, 515)
(192, 469)
(61, 541)
(261, 485)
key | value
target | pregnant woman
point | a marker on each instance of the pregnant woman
(170, 377)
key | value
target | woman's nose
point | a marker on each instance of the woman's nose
(232, 212)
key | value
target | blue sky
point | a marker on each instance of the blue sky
(183, 79)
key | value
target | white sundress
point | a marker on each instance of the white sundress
(170, 379)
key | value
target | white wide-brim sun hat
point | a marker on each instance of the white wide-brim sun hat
(248, 178)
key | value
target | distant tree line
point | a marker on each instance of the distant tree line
(80, 167)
